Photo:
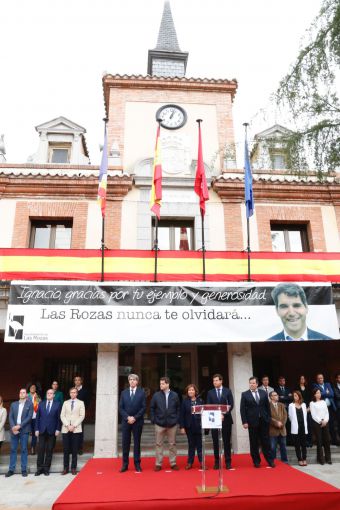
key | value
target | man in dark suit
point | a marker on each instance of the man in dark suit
(47, 428)
(222, 395)
(256, 417)
(165, 415)
(327, 394)
(292, 308)
(84, 395)
(132, 406)
(20, 416)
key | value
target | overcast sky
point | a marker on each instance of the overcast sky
(54, 53)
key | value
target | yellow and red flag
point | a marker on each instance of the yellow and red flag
(156, 188)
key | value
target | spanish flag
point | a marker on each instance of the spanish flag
(102, 184)
(156, 188)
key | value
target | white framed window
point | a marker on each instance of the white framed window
(59, 153)
(51, 234)
(174, 234)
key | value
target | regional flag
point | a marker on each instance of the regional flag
(156, 187)
(248, 183)
(201, 188)
(102, 184)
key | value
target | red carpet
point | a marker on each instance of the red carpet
(99, 486)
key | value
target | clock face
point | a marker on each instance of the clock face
(172, 116)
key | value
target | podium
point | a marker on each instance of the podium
(211, 418)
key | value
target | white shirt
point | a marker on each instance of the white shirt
(256, 397)
(21, 408)
(288, 337)
(166, 398)
(319, 411)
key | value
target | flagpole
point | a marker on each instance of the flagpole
(155, 245)
(202, 221)
(248, 229)
(202, 210)
(103, 220)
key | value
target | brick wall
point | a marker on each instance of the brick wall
(120, 96)
(311, 216)
(233, 226)
(77, 211)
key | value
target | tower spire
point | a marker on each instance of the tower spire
(167, 59)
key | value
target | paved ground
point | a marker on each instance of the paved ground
(33, 493)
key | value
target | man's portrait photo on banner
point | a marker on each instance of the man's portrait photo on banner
(291, 306)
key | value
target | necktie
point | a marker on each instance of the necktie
(266, 389)
(132, 394)
(257, 397)
(219, 394)
(48, 407)
(72, 405)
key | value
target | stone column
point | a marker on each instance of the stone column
(106, 427)
(240, 369)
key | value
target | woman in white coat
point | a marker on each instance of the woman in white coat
(297, 413)
(320, 419)
(3, 417)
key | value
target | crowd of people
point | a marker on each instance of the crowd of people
(273, 416)
(43, 420)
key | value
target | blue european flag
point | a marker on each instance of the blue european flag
(248, 183)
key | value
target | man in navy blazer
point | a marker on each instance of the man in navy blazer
(327, 394)
(291, 306)
(222, 395)
(20, 416)
(132, 406)
(256, 417)
(47, 428)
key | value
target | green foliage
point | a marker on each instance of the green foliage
(311, 92)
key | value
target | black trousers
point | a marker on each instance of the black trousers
(226, 435)
(70, 444)
(259, 435)
(194, 443)
(45, 451)
(136, 430)
(300, 443)
(322, 440)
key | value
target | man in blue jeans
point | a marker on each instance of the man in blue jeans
(277, 427)
(20, 416)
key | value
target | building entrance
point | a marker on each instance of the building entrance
(176, 362)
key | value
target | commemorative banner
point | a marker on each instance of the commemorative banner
(87, 312)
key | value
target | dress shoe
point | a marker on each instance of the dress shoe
(64, 472)
(24, 473)
(157, 468)
(322, 462)
(37, 473)
(188, 466)
(123, 468)
(256, 465)
(228, 465)
(46, 473)
(329, 462)
(138, 469)
(271, 464)
(174, 467)
(9, 473)
(216, 465)
(73, 471)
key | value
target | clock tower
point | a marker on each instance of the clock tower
(167, 59)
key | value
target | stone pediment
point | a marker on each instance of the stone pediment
(60, 125)
(275, 131)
